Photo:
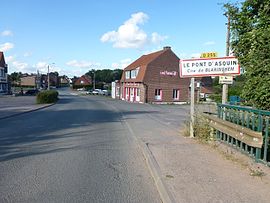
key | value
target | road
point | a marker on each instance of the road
(79, 150)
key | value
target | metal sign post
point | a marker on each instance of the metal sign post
(192, 107)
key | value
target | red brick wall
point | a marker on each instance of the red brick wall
(168, 61)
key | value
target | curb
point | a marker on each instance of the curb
(165, 195)
(28, 111)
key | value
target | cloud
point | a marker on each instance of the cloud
(9, 59)
(157, 38)
(6, 46)
(20, 66)
(79, 68)
(130, 35)
(209, 43)
(82, 64)
(195, 55)
(122, 64)
(7, 33)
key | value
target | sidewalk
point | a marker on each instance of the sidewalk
(194, 172)
(11, 106)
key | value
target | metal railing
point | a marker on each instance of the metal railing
(247, 118)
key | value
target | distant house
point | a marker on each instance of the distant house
(83, 81)
(3, 75)
(154, 78)
(205, 87)
(29, 81)
(54, 80)
(64, 81)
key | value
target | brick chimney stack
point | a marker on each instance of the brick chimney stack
(166, 48)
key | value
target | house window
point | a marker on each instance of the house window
(158, 94)
(127, 74)
(175, 94)
(138, 92)
(134, 73)
(2, 73)
(82, 82)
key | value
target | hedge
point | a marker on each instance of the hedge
(47, 96)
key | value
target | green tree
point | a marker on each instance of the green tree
(15, 78)
(105, 75)
(250, 28)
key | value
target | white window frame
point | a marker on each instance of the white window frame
(127, 74)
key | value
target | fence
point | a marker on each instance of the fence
(244, 128)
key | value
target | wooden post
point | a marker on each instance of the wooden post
(192, 101)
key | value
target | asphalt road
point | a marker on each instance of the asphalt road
(79, 150)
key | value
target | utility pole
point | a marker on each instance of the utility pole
(48, 77)
(225, 86)
(94, 86)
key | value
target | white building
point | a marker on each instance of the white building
(3, 75)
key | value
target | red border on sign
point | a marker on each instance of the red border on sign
(203, 75)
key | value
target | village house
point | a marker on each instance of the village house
(154, 78)
(64, 81)
(29, 81)
(83, 81)
(3, 75)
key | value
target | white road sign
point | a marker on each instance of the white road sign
(226, 80)
(203, 67)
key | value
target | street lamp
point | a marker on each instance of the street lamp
(49, 76)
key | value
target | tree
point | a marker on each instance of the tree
(15, 78)
(250, 28)
(105, 75)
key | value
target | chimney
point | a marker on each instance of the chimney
(166, 48)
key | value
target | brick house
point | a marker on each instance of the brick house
(3, 75)
(154, 78)
(54, 80)
(83, 81)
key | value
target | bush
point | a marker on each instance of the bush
(46, 97)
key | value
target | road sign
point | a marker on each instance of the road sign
(209, 55)
(226, 80)
(203, 67)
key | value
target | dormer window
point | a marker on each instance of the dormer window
(134, 73)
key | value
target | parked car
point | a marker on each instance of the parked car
(96, 91)
(81, 89)
(105, 92)
(31, 92)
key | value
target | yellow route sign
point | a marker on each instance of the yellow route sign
(209, 55)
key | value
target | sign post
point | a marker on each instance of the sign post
(192, 106)
(203, 67)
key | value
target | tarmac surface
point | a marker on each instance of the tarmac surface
(148, 136)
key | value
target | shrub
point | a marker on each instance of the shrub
(46, 97)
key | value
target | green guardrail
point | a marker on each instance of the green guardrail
(254, 119)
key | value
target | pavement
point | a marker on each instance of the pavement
(184, 169)
(11, 106)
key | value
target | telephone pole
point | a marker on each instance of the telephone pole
(225, 86)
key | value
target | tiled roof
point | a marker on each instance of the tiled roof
(2, 59)
(144, 60)
(141, 62)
